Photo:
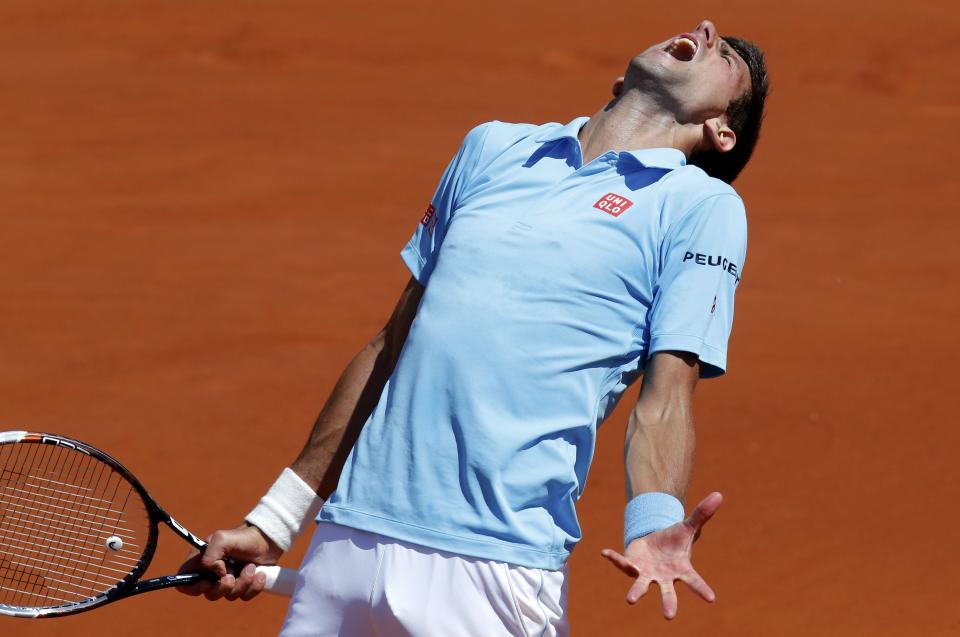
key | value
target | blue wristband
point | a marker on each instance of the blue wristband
(649, 512)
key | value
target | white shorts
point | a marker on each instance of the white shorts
(353, 583)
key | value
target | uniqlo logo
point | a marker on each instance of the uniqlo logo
(427, 216)
(613, 204)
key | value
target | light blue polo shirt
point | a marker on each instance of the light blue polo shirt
(548, 285)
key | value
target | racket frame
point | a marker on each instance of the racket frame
(130, 584)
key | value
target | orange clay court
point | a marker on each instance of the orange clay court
(202, 208)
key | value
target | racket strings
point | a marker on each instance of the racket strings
(59, 508)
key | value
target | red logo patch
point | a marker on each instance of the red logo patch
(427, 216)
(613, 204)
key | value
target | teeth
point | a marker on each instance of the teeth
(683, 48)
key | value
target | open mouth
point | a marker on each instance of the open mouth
(682, 48)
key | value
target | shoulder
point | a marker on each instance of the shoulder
(489, 142)
(689, 190)
(688, 186)
(695, 204)
(494, 136)
(497, 136)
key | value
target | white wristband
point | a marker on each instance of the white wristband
(287, 510)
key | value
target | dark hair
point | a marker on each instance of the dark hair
(744, 117)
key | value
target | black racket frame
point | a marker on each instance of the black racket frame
(131, 584)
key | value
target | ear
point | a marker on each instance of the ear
(617, 86)
(718, 136)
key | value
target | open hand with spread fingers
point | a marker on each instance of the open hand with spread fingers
(664, 556)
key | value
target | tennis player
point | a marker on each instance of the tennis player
(554, 266)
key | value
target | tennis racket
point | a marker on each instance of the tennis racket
(78, 530)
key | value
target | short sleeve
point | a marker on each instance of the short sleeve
(420, 253)
(702, 259)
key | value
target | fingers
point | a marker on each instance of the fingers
(247, 585)
(620, 562)
(219, 546)
(246, 543)
(704, 511)
(192, 565)
(221, 588)
(668, 599)
(668, 594)
(259, 582)
(664, 580)
(638, 590)
(244, 586)
(698, 585)
(243, 544)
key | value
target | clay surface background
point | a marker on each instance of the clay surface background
(202, 205)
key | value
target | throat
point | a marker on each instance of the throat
(628, 124)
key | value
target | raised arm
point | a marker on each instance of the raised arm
(322, 458)
(658, 456)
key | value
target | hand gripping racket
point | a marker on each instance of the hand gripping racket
(78, 530)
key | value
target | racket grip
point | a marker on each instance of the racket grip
(280, 581)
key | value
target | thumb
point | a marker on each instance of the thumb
(705, 510)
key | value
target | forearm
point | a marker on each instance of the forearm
(660, 439)
(286, 510)
(658, 451)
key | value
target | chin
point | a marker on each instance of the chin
(652, 64)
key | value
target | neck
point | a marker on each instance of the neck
(631, 122)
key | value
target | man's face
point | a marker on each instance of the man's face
(697, 74)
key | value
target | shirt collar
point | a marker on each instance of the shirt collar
(571, 129)
(668, 158)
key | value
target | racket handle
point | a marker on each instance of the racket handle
(280, 581)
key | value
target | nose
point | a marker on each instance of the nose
(709, 31)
